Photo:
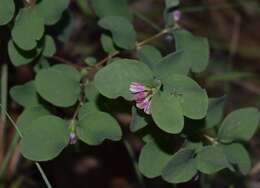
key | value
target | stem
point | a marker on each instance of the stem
(210, 139)
(4, 85)
(147, 20)
(4, 80)
(8, 155)
(43, 175)
(139, 44)
(142, 43)
(131, 154)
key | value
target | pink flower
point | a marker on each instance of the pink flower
(137, 87)
(142, 96)
(147, 108)
(138, 97)
(142, 104)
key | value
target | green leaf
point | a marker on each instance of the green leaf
(58, 85)
(150, 56)
(45, 139)
(174, 63)
(114, 80)
(193, 99)
(152, 160)
(237, 155)
(25, 95)
(104, 8)
(122, 30)
(107, 44)
(91, 92)
(20, 57)
(96, 126)
(28, 29)
(7, 10)
(197, 146)
(49, 46)
(171, 3)
(51, 10)
(215, 111)
(30, 114)
(167, 112)
(181, 167)
(239, 125)
(211, 159)
(195, 48)
(69, 70)
(138, 121)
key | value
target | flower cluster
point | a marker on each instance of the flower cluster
(142, 96)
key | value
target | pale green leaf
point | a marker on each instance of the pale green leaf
(30, 114)
(114, 80)
(195, 49)
(49, 46)
(215, 111)
(167, 112)
(239, 125)
(237, 155)
(58, 85)
(45, 139)
(181, 167)
(104, 8)
(25, 95)
(96, 126)
(152, 160)
(211, 159)
(28, 28)
(192, 97)
(7, 10)
(122, 30)
(150, 56)
(51, 11)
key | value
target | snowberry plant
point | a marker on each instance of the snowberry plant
(166, 100)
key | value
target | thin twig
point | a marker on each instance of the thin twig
(210, 139)
(147, 20)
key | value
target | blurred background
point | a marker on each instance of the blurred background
(233, 29)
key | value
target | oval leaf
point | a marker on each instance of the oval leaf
(104, 8)
(181, 167)
(96, 126)
(7, 10)
(20, 57)
(192, 97)
(122, 31)
(51, 10)
(45, 139)
(239, 125)
(195, 48)
(28, 28)
(150, 56)
(59, 87)
(152, 160)
(167, 112)
(30, 114)
(237, 155)
(25, 95)
(211, 159)
(120, 74)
